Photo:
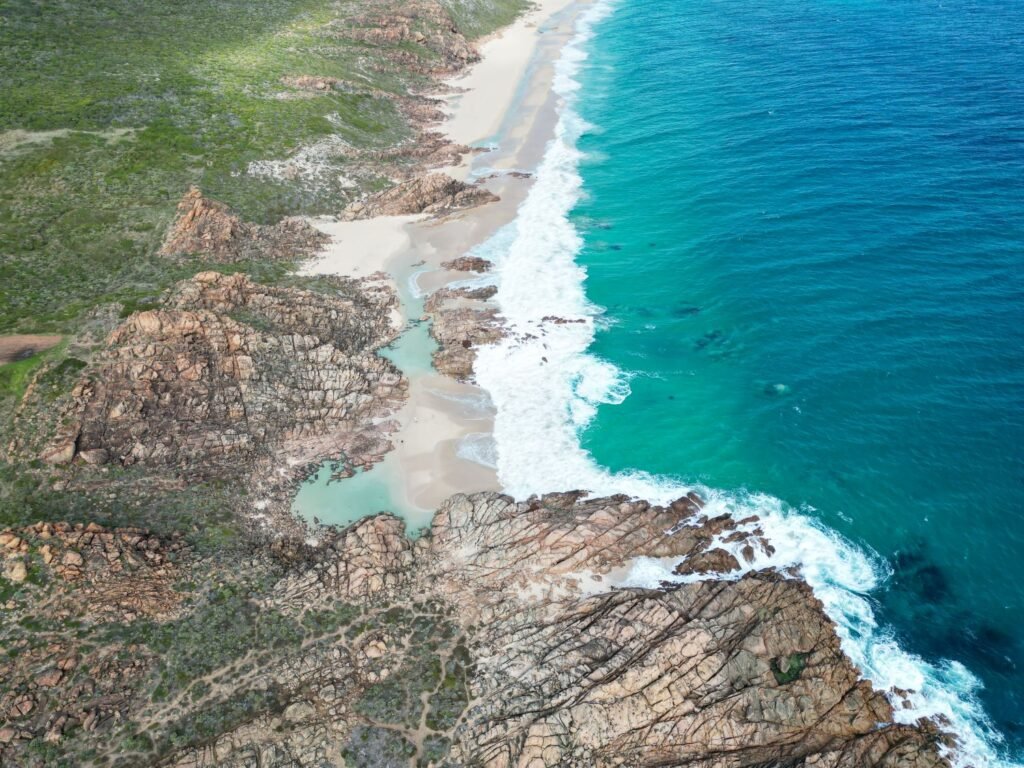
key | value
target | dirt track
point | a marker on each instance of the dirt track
(20, 346)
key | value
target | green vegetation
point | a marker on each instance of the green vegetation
(786, 669)
(110, 110)
(450, 699)
(480, 17)
(430, 687)
(203, 727)
(113, 108)
(14, 377)
(203, 512)
(225, 628)
(372, 747)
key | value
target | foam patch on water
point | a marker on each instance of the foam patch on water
(547, 387)
(480, 448)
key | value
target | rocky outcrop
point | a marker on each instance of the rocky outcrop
(565, 663)
(311, 83)
(231, 371)
(434, 193)
(208, 228)
(513, 634)
(467, 264)
(116, 574)
(575, 671)
(371, 559)
(458, 331)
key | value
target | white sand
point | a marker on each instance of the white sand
(487, 90)
(432, 426)
(359, 248)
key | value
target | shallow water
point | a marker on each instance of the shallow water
(340, 502)
(801, 229)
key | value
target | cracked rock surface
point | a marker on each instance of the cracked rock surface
(434, 193)
(207, 227)
(508, 636)
(230, 371)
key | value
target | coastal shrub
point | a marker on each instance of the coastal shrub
(477, 18)
(202, 727)
(434, 749)
(786, 669)
(329, 620)
(113, 108)
(223, 629)
(392, 701)
(372, 747)
(450, 699)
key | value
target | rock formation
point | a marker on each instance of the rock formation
(458, 331)
(512, 635)
(434, 193)
(461, 323)
(208, 228)
(467, 264)
(311, 83)
(231, 370)
(120, 574)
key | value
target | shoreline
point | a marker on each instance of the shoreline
(506, 99)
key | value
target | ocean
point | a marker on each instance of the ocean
(793, 231)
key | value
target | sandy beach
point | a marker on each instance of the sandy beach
(504, 102)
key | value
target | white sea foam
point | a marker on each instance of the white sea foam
(546, 388)
(479, 447)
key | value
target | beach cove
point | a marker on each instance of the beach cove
(505, 106)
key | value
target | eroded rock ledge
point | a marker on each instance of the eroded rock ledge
(434, 193)
(506, 637)
(209, 228)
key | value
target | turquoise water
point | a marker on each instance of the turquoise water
(804, 220)
(323, 499)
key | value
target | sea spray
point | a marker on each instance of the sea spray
(546, 387)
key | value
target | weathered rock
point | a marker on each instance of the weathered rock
(447, 295)
(467, 264)
(310, 82)
(459, 331)
(373, 559)
(425, 23)
(208, 228)
(233, 370)
(710, 673)
(713, 561)
(109, 573)
(434, 193)
(534, 648)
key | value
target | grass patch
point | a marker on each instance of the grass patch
(15, 377)
(126, 103)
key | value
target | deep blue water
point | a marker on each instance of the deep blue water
(805, 221)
